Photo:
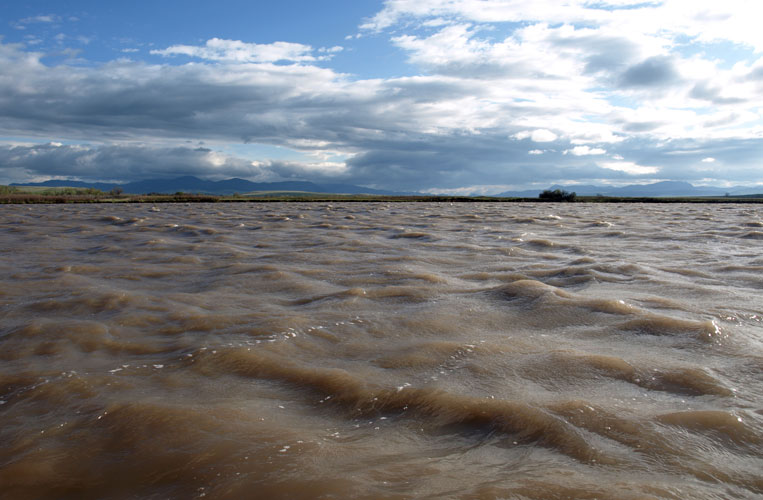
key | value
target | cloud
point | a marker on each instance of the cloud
(584, 151)
(395, 11)
(331, 50)
(704, 91)
(316, 171)
(655, 71)
(123, 162)
(535, 52)
(705, 20)
(543, 135)
(217, 49)
(628, 167)
(493, 85)
(126, 99)
(129, 162)
(560, 77)
(538, 135)
(45, 18)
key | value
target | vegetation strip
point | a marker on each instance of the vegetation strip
(36, 195)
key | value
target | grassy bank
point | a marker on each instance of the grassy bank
(36, 195)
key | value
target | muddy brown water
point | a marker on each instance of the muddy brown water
(353, 350)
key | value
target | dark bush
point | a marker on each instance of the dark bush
(557, 195)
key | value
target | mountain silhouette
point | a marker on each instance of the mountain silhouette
(191, 184)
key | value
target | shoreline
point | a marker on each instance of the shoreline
(37, 199)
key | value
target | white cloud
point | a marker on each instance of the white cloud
(324, 168)
(542, 135)
(538, 135)
(705, 20)
(550, 65)
(584, 151)
(476, 190)
(628, 167)
(331, 50)
(708, 160)
(217, 49)
(535, 152)
(47, 18)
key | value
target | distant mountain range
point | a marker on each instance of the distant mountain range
(657, 189)
(191, 184)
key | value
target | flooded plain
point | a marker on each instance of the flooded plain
(381, 351)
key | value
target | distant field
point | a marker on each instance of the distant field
(46, 190)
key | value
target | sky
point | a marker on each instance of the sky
(436, 96)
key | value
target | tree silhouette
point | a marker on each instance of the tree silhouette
(557, 195)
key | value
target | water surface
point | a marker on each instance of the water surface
(530, 351)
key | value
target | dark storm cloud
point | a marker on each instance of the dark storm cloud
(445, 163)
(683, 158)
(130, 99)
(450, 162)
(119, 162)
(249, 103)
(398, 164)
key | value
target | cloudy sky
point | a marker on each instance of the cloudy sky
(456, 96)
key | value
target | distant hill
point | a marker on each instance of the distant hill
(191, 184)
(657, 189)
(103, 186)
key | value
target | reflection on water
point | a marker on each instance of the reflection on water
(381, 351)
